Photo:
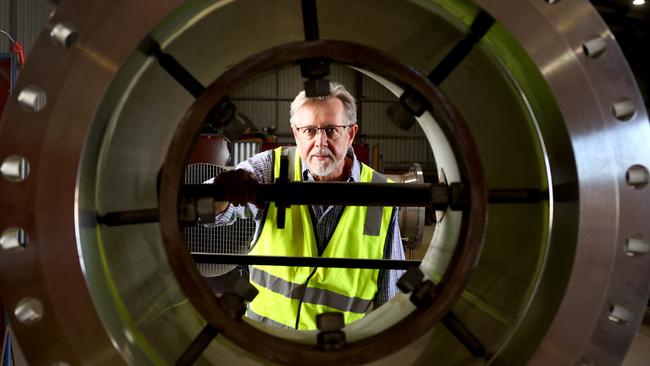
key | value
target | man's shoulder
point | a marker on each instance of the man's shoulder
(375, 176)
(257, 159)
(266, 154)
(260, 164)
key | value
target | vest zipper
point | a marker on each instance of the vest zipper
(302, 299)
(320, 254)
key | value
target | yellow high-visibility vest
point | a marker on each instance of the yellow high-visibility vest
(292, 296)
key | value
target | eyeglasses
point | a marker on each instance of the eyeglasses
(332, 132)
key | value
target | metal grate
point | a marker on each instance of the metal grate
(231, 239)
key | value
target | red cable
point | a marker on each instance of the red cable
(17, 49)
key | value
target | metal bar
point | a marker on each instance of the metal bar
(310, 20)
(435, 196)
(198, 345)
(338, 193)
(479, 27)
(265, 260)
(118, 218)
(284, 179)
(522, 195)
(464, 335)
(281, 99)
(151, 47)
(413, 104)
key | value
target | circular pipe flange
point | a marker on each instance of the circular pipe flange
(601, 111)
(49, 119)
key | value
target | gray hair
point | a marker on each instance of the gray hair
(337, 90)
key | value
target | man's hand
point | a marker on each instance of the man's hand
(239, 186)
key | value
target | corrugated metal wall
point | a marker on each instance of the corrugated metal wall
(266, 102)
(24, 20)
(5, 24)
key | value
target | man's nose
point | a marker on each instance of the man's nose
(321, 138)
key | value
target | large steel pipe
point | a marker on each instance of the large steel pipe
(544, 90)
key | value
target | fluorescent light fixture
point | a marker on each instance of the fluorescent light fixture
(638, 2)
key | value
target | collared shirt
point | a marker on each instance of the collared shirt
(324, 218)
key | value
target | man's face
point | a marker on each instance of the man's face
(321, 138)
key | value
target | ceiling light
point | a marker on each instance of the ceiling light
(638, 2)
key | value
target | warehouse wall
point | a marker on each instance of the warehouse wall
(266, 102)
(5, 24)
(24, 20)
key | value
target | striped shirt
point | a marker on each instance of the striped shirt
(324, 219)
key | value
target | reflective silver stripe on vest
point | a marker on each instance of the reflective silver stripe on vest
(262, 319)
(311, 295)
(372, 227)
(290, 152)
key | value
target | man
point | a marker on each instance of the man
(324, 129)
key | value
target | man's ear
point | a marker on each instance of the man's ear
(353, 132)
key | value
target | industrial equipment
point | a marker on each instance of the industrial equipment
(534, 119)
